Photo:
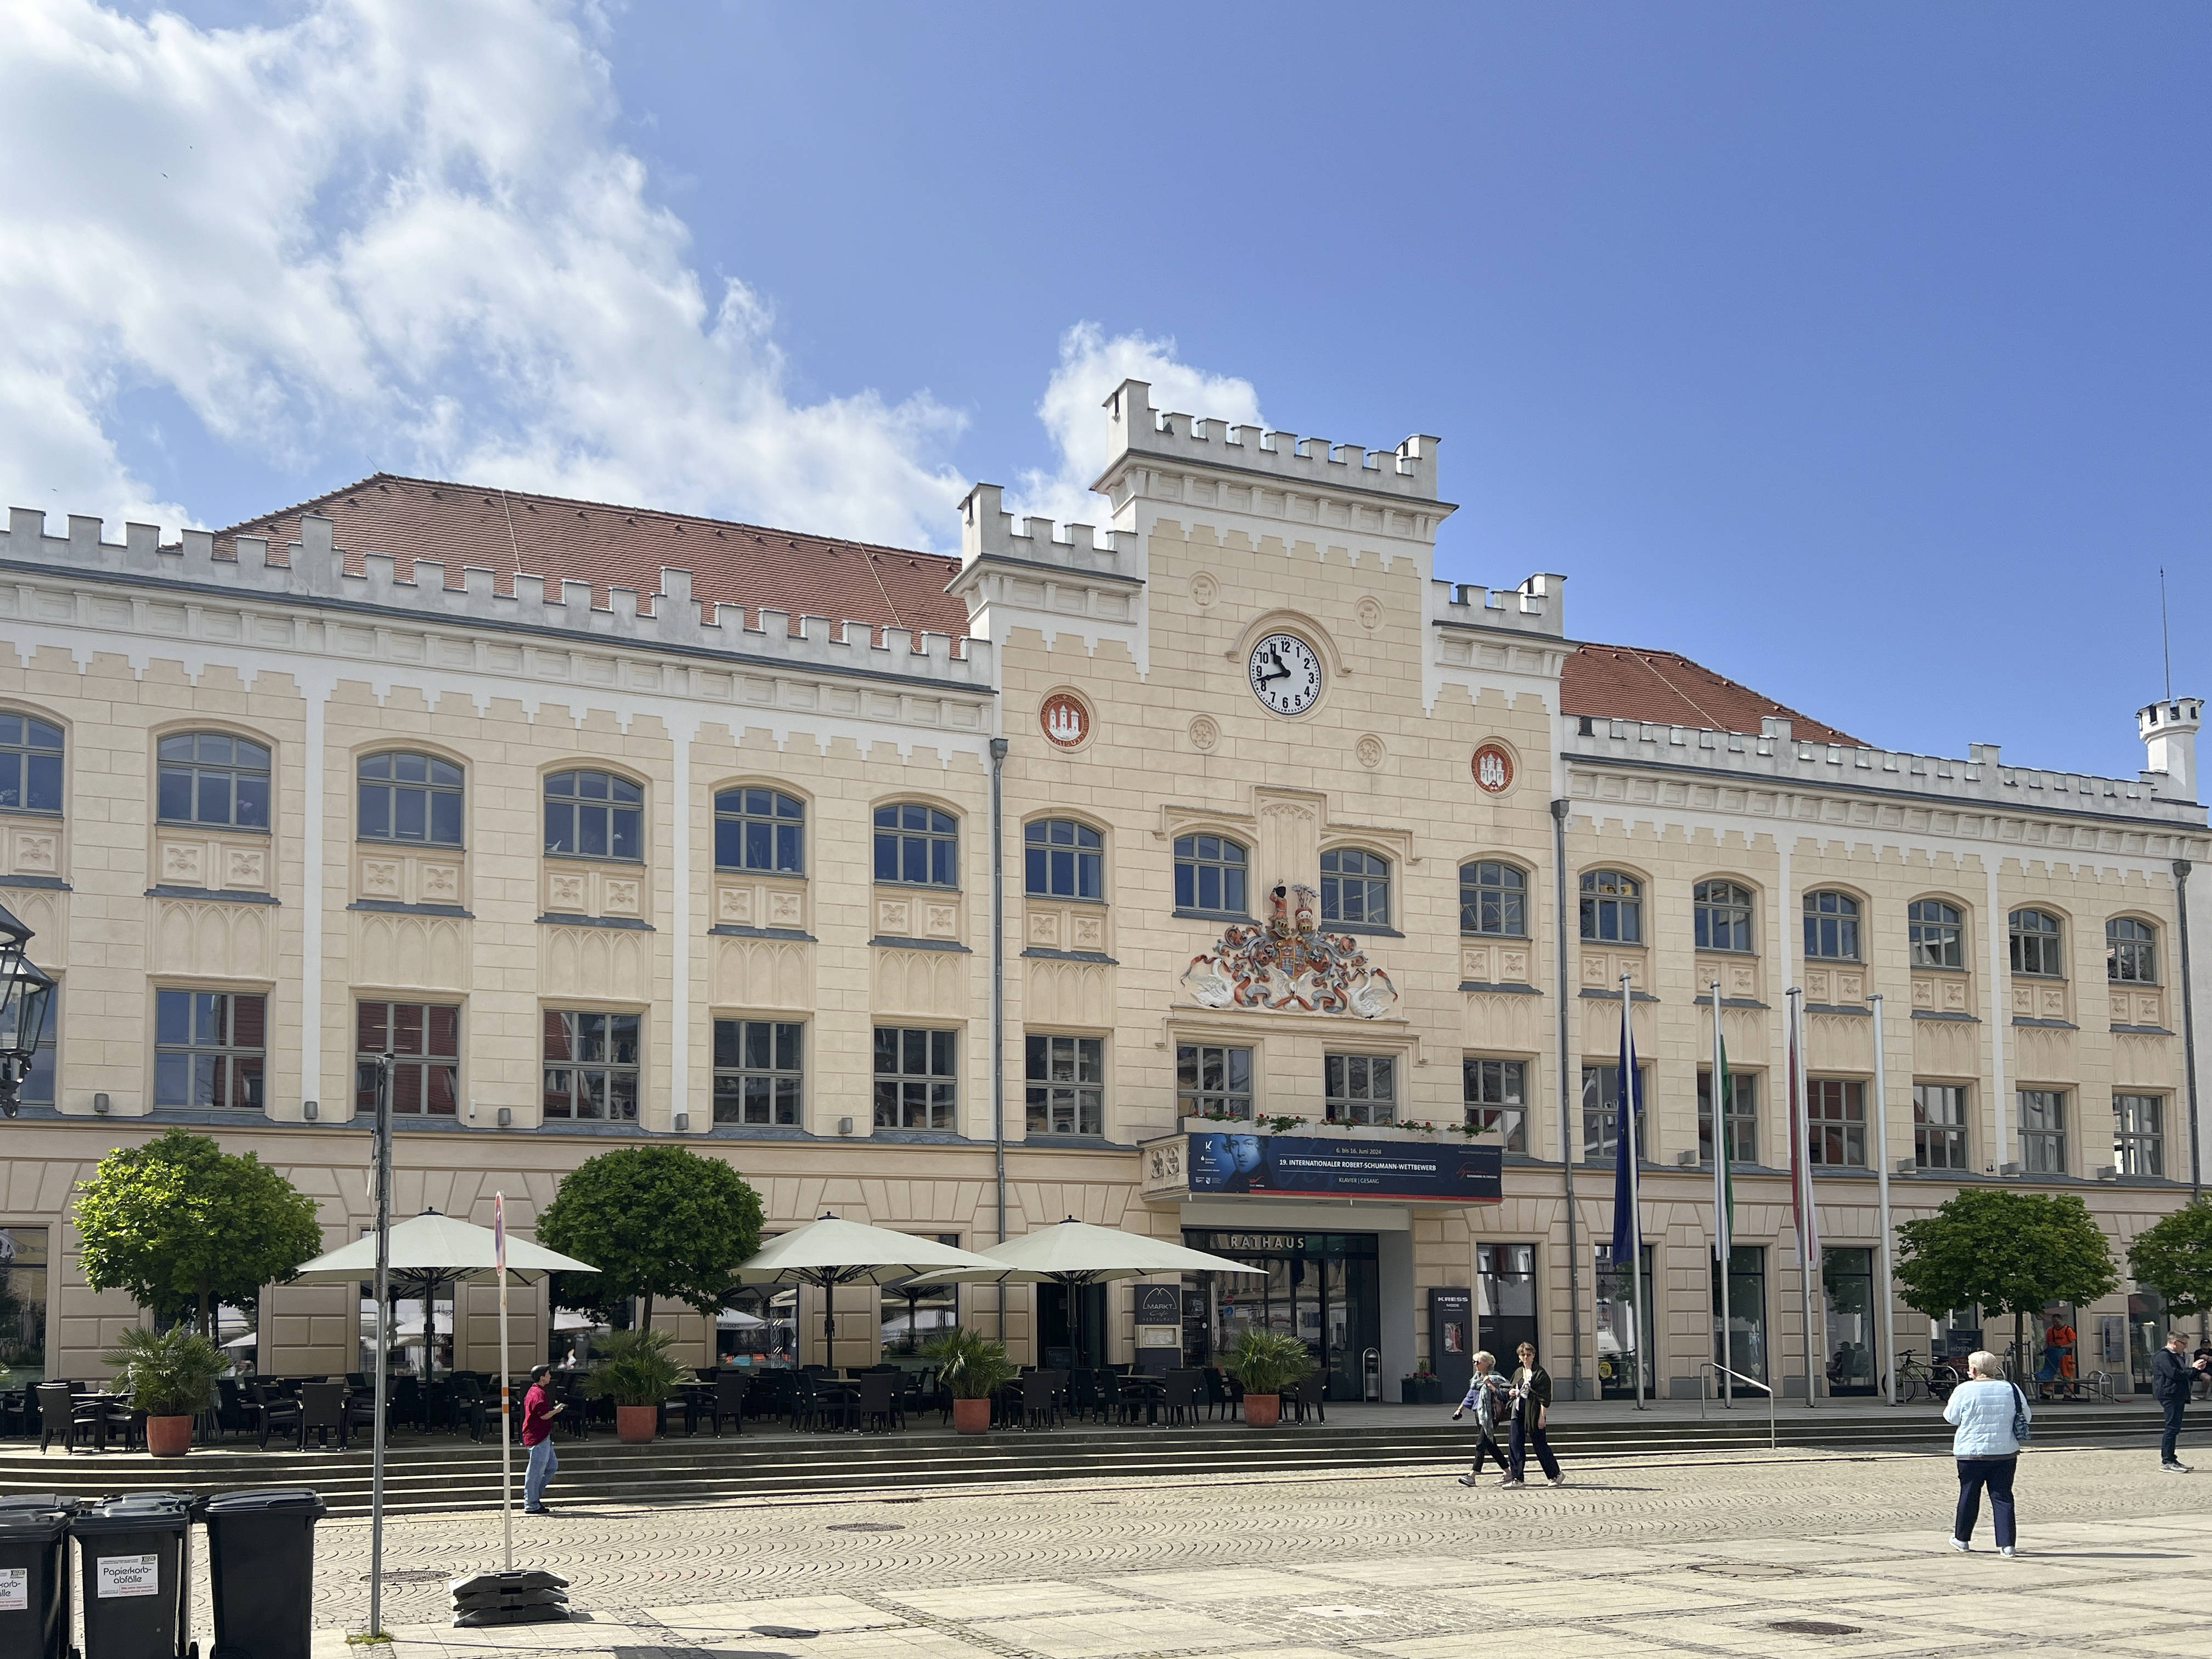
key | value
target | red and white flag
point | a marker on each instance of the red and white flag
(499, 1231)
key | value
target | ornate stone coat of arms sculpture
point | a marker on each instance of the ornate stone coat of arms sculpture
(1289, 964)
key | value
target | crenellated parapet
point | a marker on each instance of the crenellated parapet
(1088, 584)
(1537, 605)
(1409, 470)
(987, 531)
(313, 570)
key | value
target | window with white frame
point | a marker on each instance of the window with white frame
(591, 1066)
(1355, 888)
(1722, 910)
(1612, 908)
(1210, 875)
(760, 829)
(594, 815)
(1213, 1079)
(1493, 899)
(1835, 1122)
(917, 846)
(2130, 951)
(1936, 933)
(1831, 927)
(2138, 1138)
(1496, 1094)
(2038, 942)
(409, 797)
(1601, 1114)
(1742, 1116)
(917, 1083)
(1065, 1080)
(1939, 1126)
(1360, 1088)
(760, 1071)
(208, 1048)
(1062, 858)
(30, 763)
(213, 779)
(424, 1041)
(2043, 1131)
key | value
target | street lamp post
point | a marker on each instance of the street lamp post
(25, 995)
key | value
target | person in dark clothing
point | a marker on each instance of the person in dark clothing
(1532, 1411)
(2173, 1373)
(1487, 1393)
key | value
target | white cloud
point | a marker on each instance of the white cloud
(404, 223)
(1091, 367)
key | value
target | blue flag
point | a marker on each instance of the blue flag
(1630, 1112)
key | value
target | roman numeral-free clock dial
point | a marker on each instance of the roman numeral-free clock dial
(1285, 673)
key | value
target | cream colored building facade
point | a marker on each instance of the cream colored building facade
(1414, 781)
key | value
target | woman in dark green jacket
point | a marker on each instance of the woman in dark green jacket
(1532, 1410)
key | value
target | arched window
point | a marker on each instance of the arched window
(30, 764)
(1936, 932)
(410, 797)
(762, 829)
(2130, 950)
(1355, 888)
(1613, 906)
(2038, 944)
(1831, 927)
(1209, 875)
(594, 815)
(1062, 858)
(917, 846)
(215, 779)
(1493, 899)
(1724, 915)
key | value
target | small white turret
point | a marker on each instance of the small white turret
(2169, 735)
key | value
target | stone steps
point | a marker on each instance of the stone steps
(771, 1462)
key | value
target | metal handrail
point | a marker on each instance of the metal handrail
(1773, 1441)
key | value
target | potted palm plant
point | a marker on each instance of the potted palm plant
(1266, 1363)
(637, 1371)
(169, 1375)
(972, 1368)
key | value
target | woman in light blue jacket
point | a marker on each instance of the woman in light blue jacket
(1982, 1408)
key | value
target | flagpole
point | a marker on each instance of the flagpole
(1882, 1191)
(382, 1154)
(1801, 1180)
(505, 1453)
(1723, 1244)
(1629, 1153)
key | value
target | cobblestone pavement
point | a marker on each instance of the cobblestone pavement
(1709, 1558)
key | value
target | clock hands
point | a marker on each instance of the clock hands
(1281, 672)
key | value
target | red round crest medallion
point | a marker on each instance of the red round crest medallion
(1066, 720)
(1492, 766)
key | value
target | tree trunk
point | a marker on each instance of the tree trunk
(645, 1323)
(2019, 1343)
(207, 1316)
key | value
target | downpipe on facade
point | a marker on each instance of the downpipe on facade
(998, 999)
(1566, 1105)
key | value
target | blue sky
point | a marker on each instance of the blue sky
(1858, 351)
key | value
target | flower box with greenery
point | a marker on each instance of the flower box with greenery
(972, 1368)
(1421, 1388)
(169, 1375)
(636, 1371)
(1266, 1362)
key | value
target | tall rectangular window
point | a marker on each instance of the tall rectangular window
(208, 1048)
(1743, 1116)
(1835, 1122)
(1601, 1114)
(590, 1067)
(2138, 1141)
(759, 1071)
(23, 1304)
(1939, 1126)
(37, 1088)
(911, 1313)
(2043, 1131)
(1213, 1079)
(916, 1085)
(424, 1039)
(1496, 1094)
(1360, 1088)
(1067, 1085)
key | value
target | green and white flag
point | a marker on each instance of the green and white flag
(1723, 1176)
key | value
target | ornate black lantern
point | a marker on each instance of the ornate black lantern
(25, 995)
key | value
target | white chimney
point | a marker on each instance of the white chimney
(2169, 735)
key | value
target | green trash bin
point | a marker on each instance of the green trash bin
(35, 1598)
(261, 1566)
(134, 1553)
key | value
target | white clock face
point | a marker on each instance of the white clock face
(1285, 673)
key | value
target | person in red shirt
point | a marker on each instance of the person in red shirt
(538, 1411)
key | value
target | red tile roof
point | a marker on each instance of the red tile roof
(1633, 683)
(509, 531)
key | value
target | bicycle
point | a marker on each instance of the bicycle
(1918, 1379)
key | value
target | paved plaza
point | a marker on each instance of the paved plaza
(1722, 1556)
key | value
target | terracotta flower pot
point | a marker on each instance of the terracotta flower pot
(1263, 1411)
(636, 1425)
(971, 1416)
(169, 1437)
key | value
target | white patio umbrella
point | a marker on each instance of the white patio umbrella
(830, 1251)
(1075, 1253)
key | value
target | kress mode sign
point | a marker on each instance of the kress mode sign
(1304, 1166)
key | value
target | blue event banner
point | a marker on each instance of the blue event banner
(1310, 1167)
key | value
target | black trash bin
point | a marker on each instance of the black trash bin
(133, 1555)
(35, 1600)
(261, 1563)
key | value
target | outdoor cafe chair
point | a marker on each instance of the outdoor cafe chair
(1224, 1396)
(722, 1394)
(1307, 1396)
(269, 1411)
(322, 1408)
(568, 1391)
(17, 1406)
(58, 1418)
(1180, 1393)
(473, 1405)
(876, 1399)
(1039, 1399)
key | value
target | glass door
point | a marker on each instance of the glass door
(1505, 1304)
(1847, 1298)
(1623, 1340)
(1744, 1350)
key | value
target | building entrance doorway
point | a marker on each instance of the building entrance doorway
(1321, 1288)
(1071, 1325)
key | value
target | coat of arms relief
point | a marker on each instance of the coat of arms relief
(1288, 963)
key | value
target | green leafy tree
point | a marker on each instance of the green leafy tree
(2007, 1252)
(2174, 1257)
(182, 1226)
(657, 1222)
